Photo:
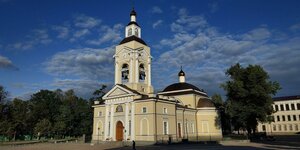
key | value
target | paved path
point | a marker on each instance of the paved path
(79, 146)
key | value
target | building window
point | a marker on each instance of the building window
(298, 106)
(99, 113)
(289, 118)
(284, 127)
(165, 110)
(144, 109)
(281, 107)
(142, 74)
(125, 73)
(263, 127)
(296, 127)
(276, 107)
(279, 127)
(129, 32)
(278, 118)
(274, 127)
(294, 118)
(119, 108)
(136, 32)
(129, 132)
(108, 133)
(293, 106)
(291, 127)
(166, 132)
(283, 118)
(287, 107)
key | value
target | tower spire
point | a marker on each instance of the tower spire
(181, 76)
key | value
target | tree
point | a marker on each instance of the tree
(99, 93)
(42, 128)
(3, 94)
(249, 95)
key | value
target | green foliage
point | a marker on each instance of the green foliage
(47, 113)
(99, 93)
(43, 127)
(249, 95)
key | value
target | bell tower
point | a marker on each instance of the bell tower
(133, 59)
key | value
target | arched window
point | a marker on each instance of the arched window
(142, 74)
(119, 108)
(136, 32)
(125, 73)
(129, 32)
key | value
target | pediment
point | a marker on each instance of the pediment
(118, 91)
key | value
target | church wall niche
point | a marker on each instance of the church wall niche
(142, 73)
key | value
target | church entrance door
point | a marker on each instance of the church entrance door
(119, 131)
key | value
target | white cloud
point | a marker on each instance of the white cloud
(81, 33)
(5, 63)
(63, 32)
(86, 63)
(108, 34)
(205, 53)
(257, 34)
(35, 38)
(156, 10)
(84, 21)
(156, 23)
(295, 27)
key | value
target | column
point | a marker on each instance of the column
(126, 121)
(131, 70)
(106, 122)
(116, 73)
(132, 121)
(136, 68)
(112, 122)
(149, 74)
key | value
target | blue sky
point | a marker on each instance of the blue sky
(69, 44)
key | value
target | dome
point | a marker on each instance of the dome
(205, 102)
(180, 86)
(181, 73)
(132, 13)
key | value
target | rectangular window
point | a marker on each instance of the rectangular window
(296, 127)
(291, 127)
(263, 127)
(281, 107)
(165, 110)
(294, 118)
(99, 113)
(283, 118)
(287, 107)
(289, 118)
(293, 106)
(165, 128)
(278, 118)
(276, 107)
(279, 127)
(298, 106)
(284, 127)
(129, 132)
(108, 133)
(274, 127)
(144, 109)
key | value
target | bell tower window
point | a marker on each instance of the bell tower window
(125, 73)
(129, 32)
(142, 74)
(136, 32)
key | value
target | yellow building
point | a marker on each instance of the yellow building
(132, 111)
(286, 116)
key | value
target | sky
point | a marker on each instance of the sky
(70, 44)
